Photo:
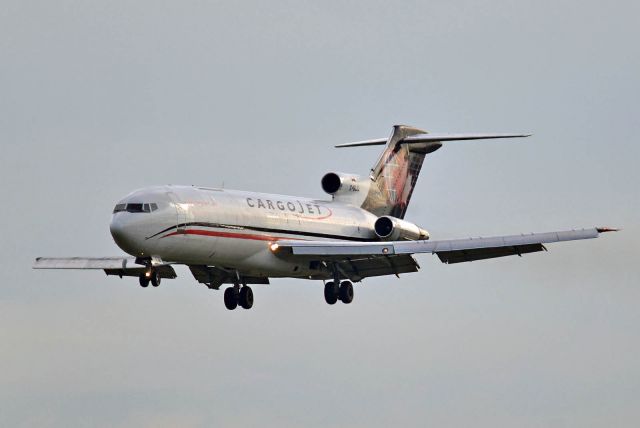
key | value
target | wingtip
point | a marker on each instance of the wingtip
(607, 229)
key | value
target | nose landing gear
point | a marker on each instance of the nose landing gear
(234, 296)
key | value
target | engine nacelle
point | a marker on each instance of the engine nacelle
(338, 183)
(394, 229)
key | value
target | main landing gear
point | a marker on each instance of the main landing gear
(234, 296)
(152, 277)
(343, 292)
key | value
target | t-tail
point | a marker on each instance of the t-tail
(395, 174)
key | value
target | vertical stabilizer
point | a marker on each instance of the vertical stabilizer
(395, 173)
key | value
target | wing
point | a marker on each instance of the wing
(449, 251)
(121, 266)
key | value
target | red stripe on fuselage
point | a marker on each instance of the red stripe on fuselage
(250, 236)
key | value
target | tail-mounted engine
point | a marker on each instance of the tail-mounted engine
(346, 188)
(394, 229)
(338, 182)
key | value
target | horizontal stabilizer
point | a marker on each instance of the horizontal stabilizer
(428, 138)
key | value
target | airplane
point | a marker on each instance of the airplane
(244, 238)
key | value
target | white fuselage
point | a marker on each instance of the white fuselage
(231, 229)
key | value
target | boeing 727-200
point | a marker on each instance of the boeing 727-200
(243, 238)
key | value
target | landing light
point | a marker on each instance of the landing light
(148, 274)
(274, 246)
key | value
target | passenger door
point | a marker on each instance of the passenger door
(181, 212)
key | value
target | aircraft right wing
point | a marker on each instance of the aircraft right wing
(448, 251)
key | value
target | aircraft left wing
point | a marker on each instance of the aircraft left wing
(121, 266)
(448, 251)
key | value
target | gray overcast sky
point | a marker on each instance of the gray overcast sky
(99, 98)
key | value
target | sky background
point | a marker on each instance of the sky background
(100, 98)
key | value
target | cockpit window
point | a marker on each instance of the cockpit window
(135, 208)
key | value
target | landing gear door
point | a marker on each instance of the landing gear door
(181, 212)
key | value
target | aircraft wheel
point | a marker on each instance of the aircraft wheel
(246, 297)
(231, 296)
(155, 279)
(346, 292)
(144, 280)
(330, 293)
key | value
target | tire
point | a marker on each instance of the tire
(330, 293)
(246, 297)
(346, 292)
(231, 298)
(155, 279)
(144, 280)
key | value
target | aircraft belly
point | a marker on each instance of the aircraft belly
(247, 255)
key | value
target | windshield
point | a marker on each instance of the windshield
(136, 207)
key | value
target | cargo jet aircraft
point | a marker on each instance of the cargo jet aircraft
(241, 238)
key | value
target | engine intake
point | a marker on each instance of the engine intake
(394, 229)
(331, 183)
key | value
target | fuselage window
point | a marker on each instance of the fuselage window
(154, 207)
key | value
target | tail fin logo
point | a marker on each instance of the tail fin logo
(395, 174)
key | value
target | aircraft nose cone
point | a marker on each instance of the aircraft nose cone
(123, 235)
(128, 232)
(117, 231)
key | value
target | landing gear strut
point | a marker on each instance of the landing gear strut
(333, 292)
(234, 296)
